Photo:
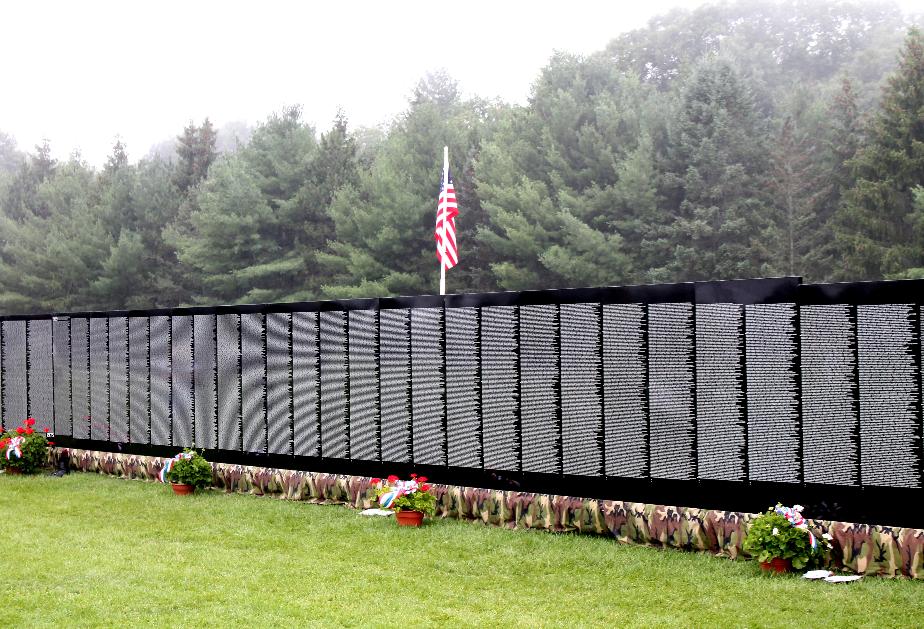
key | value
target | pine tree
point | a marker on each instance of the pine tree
(845, 136)
(332, 167)
(279, 157)
(10, 156)
(719, 169)
(205, 148)
(117, 183)
(841, 135)
(22, 199)
(879, 231)
(794, 184)
(195, 151)
(49, 261)
(155, 214)
(524, 222)
(226, 246)
(571, 163)
(185, 177)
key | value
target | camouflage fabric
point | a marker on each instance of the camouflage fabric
(860, 548)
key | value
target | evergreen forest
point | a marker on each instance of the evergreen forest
(740, 139)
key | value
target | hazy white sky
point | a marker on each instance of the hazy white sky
(82, 73)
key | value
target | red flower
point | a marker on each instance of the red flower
(413, 475)
(425, 487)
(29, 431)
(20, 430)
(376, 481)
(29, 422)
(44, 428)
(422, 479)
(51, 443)
(392, 479)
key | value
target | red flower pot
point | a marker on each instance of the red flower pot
(181, 490)
(777, 565)
(409, 518)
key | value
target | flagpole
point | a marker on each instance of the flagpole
(445, 186)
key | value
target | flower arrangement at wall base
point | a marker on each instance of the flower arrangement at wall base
(187, 471)
(411, 499)
(24, 450)
(781, 540)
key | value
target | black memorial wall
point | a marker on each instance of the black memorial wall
(729, 395)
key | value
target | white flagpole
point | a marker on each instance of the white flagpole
(443, 234)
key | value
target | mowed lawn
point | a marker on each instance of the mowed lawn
(89, 550)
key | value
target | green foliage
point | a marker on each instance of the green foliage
(422, 501)
(224, 236)
(565, 182)
(48, 260)
(771, 535)
(880, 232)
(718, 181)
(31, 444)
(195, 151)
(11, 159)
(195, 471)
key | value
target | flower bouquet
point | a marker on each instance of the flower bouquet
(24, 450)
(187, 471)
(781, 539)
(411, 499)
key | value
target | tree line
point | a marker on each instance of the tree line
(735, 140)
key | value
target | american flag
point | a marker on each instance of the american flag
(446, 211)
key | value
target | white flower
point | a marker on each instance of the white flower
(827, 536)
(776, 531)
(797, 508)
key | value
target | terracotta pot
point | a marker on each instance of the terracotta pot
(409, 518)
(13, 471)
(777, 564)
(182, 490)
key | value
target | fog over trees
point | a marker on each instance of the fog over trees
(734, 140)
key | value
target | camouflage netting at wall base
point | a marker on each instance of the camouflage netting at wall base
(860, 548)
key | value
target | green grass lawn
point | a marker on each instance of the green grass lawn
(88, 550)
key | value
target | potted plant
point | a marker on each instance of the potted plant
(411, 499)
(24, 450)
(187, 471)
(781, 540)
